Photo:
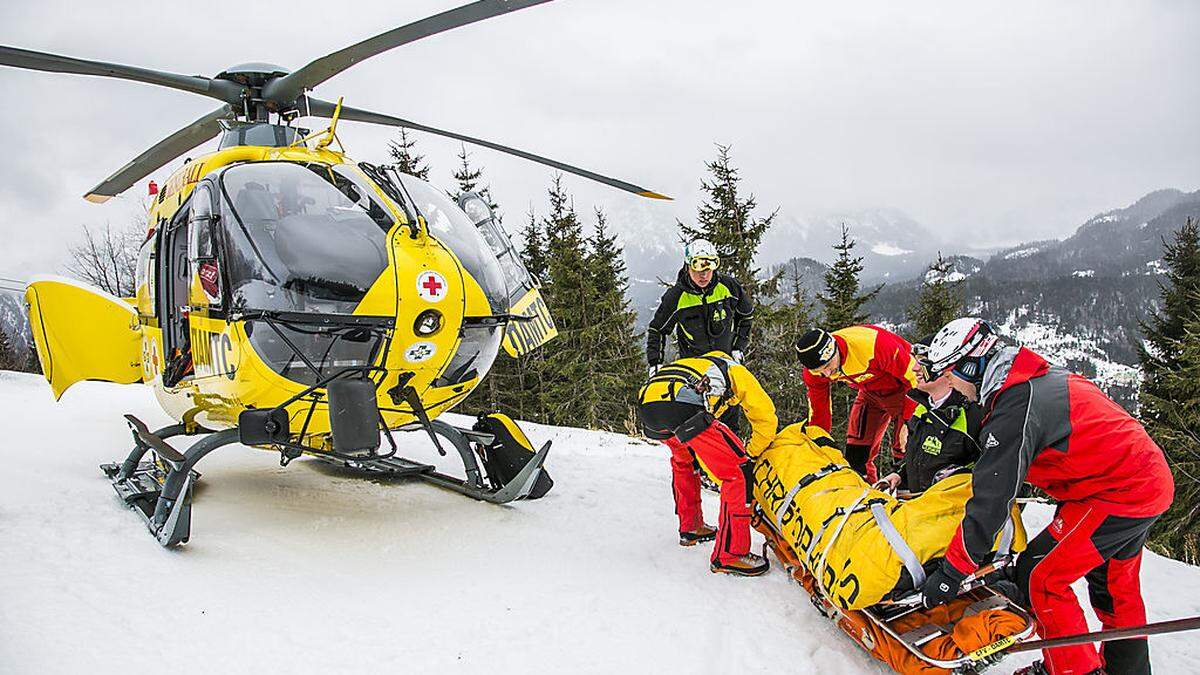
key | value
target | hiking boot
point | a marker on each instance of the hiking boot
(700, 534)
(749, 565)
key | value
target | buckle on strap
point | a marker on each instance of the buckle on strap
(804, 482)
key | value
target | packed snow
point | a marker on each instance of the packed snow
(1082, 274)
(1045, 336)
(1022, 253)
(884, 248)
(932, 276)
(309, 569)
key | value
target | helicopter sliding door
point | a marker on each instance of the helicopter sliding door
(174, 279)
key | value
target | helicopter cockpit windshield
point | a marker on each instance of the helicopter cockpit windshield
(449, 225)
(301, 237)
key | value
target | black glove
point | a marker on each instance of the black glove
(941, 586)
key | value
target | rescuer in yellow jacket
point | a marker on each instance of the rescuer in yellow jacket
(679, 406)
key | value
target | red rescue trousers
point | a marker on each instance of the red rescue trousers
(870, 416)
(1081, 542)
(722, 453)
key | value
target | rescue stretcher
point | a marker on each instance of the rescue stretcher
(862, 554)
(967, 635)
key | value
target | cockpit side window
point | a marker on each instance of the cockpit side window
(202, 252)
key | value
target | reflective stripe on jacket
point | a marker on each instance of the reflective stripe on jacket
(715, 318)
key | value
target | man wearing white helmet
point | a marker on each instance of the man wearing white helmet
(706, 310)
(1055, 430)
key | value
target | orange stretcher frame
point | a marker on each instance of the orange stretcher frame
(966, 634)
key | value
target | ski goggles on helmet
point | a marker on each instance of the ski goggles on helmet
(704, 264)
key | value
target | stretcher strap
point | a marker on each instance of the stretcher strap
(803, 483)
(899, 545)
(837, 531)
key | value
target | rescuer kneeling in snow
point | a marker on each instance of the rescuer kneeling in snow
(1059, 432)
(679, 406)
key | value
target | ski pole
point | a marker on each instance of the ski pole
(1161, 627)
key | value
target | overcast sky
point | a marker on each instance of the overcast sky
(994, 122)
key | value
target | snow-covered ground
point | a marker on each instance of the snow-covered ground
(306, 569)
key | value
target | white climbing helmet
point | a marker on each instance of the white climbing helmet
(701, 255)
(963, 345)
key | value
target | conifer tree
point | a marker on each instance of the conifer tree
(940, 300)
(32, 363)
(569, 392)
(534, 253)
(1170, 391)
(843, 298)
(775, 363)
(500, 390)
(725, 219)
(841, 303)
(615, 351)
(469, 179)
(527, 399)
(9, 360)
(405, 159)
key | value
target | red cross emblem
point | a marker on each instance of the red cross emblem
(431, 286)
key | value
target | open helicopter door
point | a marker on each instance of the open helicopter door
(532, 326)
(83, 333)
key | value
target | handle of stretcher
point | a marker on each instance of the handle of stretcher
(972, 581)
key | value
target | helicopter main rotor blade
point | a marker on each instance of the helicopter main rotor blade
(321, 108)
(221, 90)
(159, 154)
(286, 89)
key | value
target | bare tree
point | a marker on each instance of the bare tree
(107, 258)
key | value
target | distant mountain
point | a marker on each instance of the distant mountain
(1121, 242)
(809, 272)
(893, 245)
(1078, 300)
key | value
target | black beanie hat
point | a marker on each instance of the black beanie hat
(815, 348)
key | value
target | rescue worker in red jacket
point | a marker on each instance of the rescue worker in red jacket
(680, 406)
(1059, 432)
(876, 362)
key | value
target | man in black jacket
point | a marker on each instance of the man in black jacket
(705, 309)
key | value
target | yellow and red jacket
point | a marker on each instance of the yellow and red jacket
(874, 360)
(738, 387)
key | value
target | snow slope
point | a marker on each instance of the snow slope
(305, 569)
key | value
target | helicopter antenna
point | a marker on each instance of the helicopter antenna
(328, 135)
(331, 133)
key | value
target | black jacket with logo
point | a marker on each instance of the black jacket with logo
(703, 319)
(938, 438)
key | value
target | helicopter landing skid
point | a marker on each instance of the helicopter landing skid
(476, 485)
(160, 489)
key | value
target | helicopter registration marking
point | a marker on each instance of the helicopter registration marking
(420, 351)
(431, 287)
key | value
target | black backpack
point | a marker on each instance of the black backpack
(509, 453)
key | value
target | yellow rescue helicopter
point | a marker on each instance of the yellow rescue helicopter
(292, 299)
